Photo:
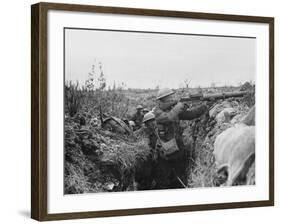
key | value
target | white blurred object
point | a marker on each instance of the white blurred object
(225, 115)
(132, 123)
(218, 108)
(234, 150)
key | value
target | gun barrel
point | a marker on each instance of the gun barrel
(224, 95)
(213, 96)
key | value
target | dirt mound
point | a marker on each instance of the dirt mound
(202, 132)
(97, 160)
(247, 86)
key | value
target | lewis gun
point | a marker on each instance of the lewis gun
(213, 96)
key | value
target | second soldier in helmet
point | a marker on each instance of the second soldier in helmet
(138, 117)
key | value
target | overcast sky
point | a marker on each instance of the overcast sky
(145, 60)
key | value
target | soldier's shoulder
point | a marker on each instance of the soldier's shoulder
(157, 111)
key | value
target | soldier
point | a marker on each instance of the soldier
(170, 171)
(138, 117)
(145, 110)
(145, 176)
(148, 130)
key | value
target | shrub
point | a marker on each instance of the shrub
(73, 98)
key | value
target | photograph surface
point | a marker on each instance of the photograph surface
(155, 111)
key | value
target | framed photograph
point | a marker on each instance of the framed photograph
(143, 111)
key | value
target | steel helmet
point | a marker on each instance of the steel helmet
(139, 107)
(145, 110)
(164, 92)
(148, 116)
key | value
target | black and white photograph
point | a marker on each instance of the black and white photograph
(156, 111)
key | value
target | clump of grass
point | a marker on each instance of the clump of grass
(124, 159)
(249, 99)
(75, 181)
(204, 170)
(73, 98)
(127, 154)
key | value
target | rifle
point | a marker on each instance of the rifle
(211, 97)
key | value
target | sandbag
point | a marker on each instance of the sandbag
(249, 119)
(225, 115)
(233, 149)
(218, 108)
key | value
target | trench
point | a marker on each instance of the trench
(148, 174)
(101, 161)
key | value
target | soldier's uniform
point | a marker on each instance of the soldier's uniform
(138, 117)
(168, 169)
(144, 176)
(149, 135)
(148, 132)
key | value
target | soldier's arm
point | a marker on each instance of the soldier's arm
(172, 115)
(193, 113)
(140, 133)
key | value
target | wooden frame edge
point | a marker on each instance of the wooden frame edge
(154, 12)
(39, 110)
(35, 190)
(155, 210)
(271, 111)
